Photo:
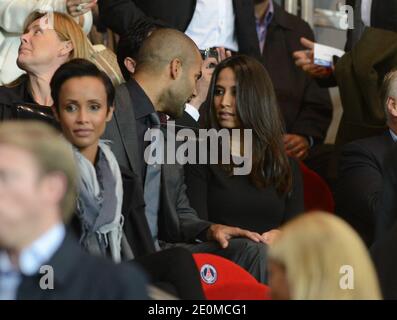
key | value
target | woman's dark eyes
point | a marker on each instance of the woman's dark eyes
(95, 107)
(219, 92)
(71, 108)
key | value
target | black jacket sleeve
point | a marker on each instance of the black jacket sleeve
(358, 188)
(118, 15)
(386, 210)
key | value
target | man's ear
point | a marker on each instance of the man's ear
(109, 115)
(130, 64)
(67, 48)
(392, 107)
(175, 68)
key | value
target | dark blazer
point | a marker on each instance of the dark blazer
(136, 227)
(386, 212)
(384, 255)
(119, 14)
(306, 108)
(79, 276)
(178, 222)
(359, 185)
(186, 121)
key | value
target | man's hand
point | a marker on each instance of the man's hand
(79, 7)
(223, 234)
(305, 60)
(207, 70)
(296, 146)
(271, 236)
(203, 83)
(223, 54)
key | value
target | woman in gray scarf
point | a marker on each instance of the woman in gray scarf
(82, 108)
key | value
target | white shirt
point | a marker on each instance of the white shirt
(213, 25)
(192, 111)
(366, 10)
(30, 261)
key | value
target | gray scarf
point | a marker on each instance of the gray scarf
(99, 203)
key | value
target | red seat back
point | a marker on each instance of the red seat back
(317, 195)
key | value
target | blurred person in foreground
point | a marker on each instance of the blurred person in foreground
(39, 259)
(319, 257)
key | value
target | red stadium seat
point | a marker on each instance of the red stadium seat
(224, 280)
(317, 195)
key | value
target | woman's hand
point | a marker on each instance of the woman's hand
(79, 7)
(271, 236)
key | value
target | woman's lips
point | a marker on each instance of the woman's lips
(22, 50)
(82, 133)
(225, 115)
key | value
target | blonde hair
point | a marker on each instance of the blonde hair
(67, 30)
(50, 150)
(313, 249)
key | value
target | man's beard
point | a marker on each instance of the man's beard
(174, 103)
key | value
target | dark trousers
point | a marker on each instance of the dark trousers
(247, 254)
(174, 271)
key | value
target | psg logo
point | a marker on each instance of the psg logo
(208, 274)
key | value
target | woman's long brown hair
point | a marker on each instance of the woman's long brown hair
(257, 110)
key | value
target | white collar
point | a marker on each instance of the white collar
(37, 254)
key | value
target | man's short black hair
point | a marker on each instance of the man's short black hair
(78, 68)
(131, 41)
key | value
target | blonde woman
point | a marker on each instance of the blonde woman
(48, 41)
(319, 257)
(13, 14)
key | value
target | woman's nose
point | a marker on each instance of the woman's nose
(24, 38)
(82, 116)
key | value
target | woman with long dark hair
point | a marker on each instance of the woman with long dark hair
(241, 96)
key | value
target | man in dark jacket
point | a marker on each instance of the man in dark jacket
(164, 80)
(306, 108)
(366, 180)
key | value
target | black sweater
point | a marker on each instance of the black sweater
(235, 201)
